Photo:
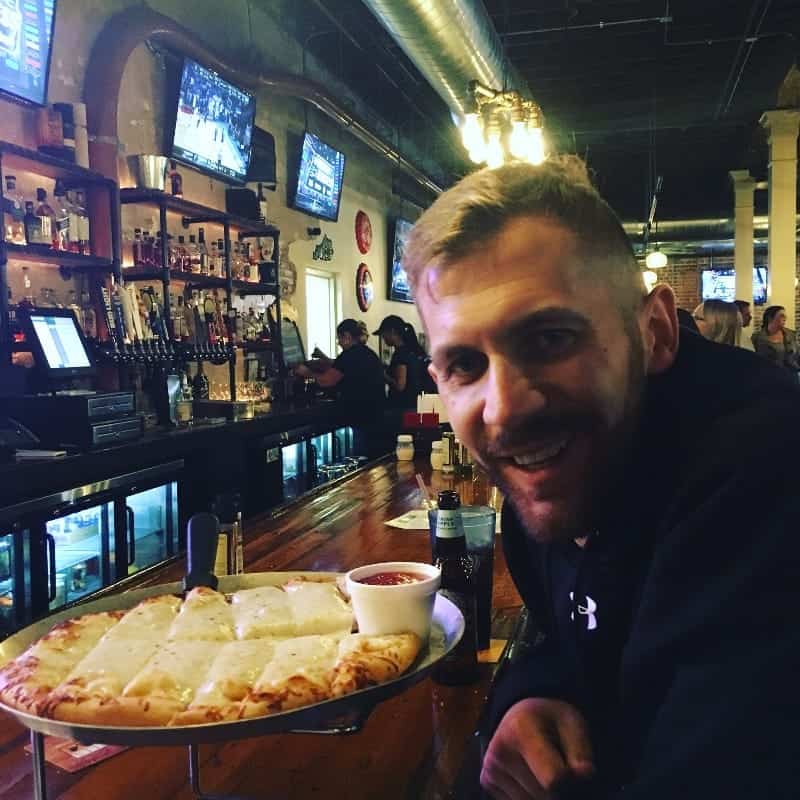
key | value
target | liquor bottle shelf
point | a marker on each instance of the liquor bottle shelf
(198, 280)
(44, 255)
(22, 158)
(257, 347)
(194, 213)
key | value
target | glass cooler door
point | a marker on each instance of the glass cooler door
(14, 588)
(294, 458)
(151, 518)
(79, 552)
(342, 443)
(322, 454)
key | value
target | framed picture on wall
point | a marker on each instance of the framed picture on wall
(399, 289)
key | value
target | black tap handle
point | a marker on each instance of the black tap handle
(201, 546)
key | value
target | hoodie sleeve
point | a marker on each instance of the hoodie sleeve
(537, 668)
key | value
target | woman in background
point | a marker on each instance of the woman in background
(775, 341)
(404, 373)
(719, 321)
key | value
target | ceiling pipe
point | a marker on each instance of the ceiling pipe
(451, 42)
(136, 25)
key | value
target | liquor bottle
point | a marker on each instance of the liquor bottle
(245, 261)
(88, 316)
(158, 249)
(458, 585)
(194, 254)
(221, 258)
(147, 249)
(262, 203)
(33, 225)
(62, 209)
(15, 212)
(202, 251)
(136, 247)
(47, 217)
(180, 255)
(175, 180)
(213, 259)
(84, 233)
(177, 319)
(200, 384)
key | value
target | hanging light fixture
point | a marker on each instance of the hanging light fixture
(656, 259)
(501, 126)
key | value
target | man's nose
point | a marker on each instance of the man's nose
(510, 395)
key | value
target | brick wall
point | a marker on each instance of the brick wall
(683, 275)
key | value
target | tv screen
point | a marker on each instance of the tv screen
(213, 124)
(26, 35)
(292, 343)
(720, 284)
(319, 179)
(399, 288)
(57, 342)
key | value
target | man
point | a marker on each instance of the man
(356, 376)
(661, 567)
(747, 318)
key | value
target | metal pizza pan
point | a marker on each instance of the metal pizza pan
(341, 715)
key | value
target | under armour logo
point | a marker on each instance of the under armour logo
(587, 610)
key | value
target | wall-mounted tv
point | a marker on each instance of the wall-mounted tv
(399, 288)
(720, 284)
(26, 40)
(213, 124)
(318, 188)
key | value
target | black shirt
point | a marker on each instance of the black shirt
(674, 631)
(407, 398)
(362, 387)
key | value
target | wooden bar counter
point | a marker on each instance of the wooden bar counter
(418, 745)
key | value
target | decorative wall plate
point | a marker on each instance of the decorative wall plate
(365, 289)
(363, 232)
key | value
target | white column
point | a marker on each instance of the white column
(782, 127)
(743, 187)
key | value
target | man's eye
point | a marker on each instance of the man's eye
(553, 343)
(465, 366)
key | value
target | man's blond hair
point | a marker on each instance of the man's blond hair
(479, 206)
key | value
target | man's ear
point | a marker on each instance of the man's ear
(432, 372)
(658, 322)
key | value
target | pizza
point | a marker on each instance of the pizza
(206, 658)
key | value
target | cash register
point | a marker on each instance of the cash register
(65, 416)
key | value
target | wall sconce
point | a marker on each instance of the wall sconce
(501, 126)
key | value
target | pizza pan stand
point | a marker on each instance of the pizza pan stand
(340, 716)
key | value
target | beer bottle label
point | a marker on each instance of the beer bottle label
(448, 524)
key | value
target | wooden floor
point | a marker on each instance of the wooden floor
(413, 747)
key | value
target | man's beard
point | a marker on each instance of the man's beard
(604, 474)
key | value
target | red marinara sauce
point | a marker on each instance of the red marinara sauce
(392, 578)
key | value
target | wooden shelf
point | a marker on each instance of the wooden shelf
(194, 213)
(257, 347)
(46, 255)
(247, 287)
(22, 158)
(199, 280)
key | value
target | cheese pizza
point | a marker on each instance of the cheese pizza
(204, 659)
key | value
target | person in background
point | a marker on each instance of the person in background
(356, 377)
(686, 320)
(775, 341)
(404, 372)
(719, 321)
(747, 317)
(659, 568)
(321, 357)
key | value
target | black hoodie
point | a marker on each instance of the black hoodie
(676, 630)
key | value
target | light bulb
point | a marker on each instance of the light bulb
(650, 279)
(471, 133)
(494, 150)
(518, 140)
(535, 143)
(656, 260)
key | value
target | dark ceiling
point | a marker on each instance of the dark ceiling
(638, 87)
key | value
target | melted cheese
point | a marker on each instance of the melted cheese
(175, 671)
(206, 615)
(234, 671)
(318, 608)
(262, 612)
(108, 667)
(149, 621)
(310, 657)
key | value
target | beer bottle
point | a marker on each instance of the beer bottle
(458, 585)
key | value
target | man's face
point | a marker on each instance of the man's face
(747, 316)
(539, 375)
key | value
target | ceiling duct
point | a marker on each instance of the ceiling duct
(451, 42)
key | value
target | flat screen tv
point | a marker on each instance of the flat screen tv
(318, 188)
(720, 284)
(292, 343)
(57, 342)
(399, 288)
(213, 124)
(26, 38)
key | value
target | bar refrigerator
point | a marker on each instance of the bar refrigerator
(59, 549)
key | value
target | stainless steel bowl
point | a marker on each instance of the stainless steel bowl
(149, 172)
